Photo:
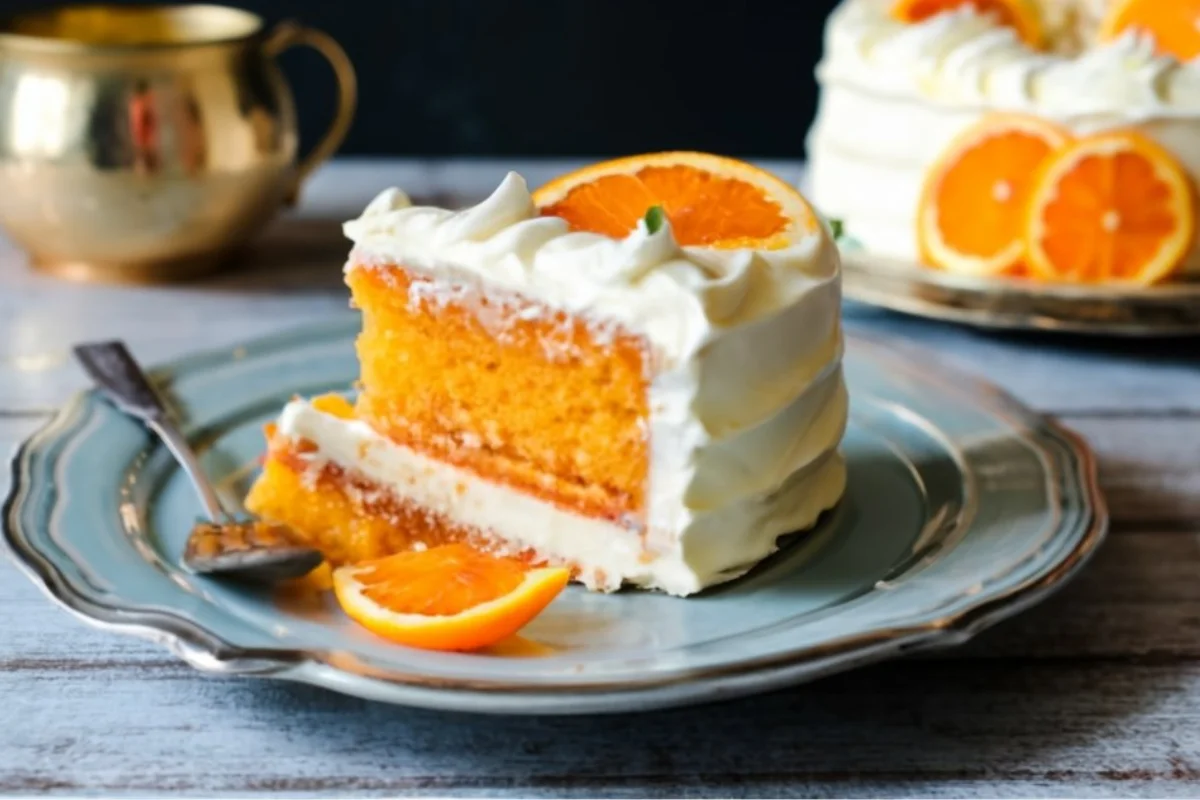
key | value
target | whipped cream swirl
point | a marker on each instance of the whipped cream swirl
(964, 57)
(675, 296)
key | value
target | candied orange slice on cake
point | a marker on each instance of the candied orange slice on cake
(446, 598)
(710, 201)
(1174, 24)
(1114, 207)
(971, 217)
(1022, 16)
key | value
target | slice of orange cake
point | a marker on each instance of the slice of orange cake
(635, 372)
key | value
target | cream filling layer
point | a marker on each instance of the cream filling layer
(713, 546)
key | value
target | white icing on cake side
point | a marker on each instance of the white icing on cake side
(894, 95)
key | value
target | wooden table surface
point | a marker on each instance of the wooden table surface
(1094, 693)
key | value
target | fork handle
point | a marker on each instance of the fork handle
(121, 380)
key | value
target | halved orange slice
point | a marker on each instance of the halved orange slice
(1022, 16)
(971, 216)
(710, 201)
(446, 598)
(1174, 24)
(1110, 208)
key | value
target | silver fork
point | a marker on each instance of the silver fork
(236, 547)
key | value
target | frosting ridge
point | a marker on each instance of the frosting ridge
(673, 295)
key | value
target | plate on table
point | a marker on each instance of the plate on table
(1010, 303)
(962, 509)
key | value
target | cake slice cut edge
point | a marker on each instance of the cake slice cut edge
(356, 494)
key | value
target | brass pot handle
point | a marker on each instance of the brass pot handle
(290, 34)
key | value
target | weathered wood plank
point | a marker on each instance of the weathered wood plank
(1054, 374)
(1025, 711)
(1149, 468)
(40, 319)
(41, 638)
(1137, 599)
(14, 429)
(999, 728)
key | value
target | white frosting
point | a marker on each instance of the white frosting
(677, 297)
(716, 546)
(747, 400)
(895, 95)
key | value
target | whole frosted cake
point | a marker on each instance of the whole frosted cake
(653, 405)
(1051, 140)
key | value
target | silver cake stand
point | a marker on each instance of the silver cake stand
(1007, 303)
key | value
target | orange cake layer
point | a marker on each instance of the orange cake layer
(345, 521)
(344, 516)
(349, 518)
(518, 394)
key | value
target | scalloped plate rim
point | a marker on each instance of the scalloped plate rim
(207, 651)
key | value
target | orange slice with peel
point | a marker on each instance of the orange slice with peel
(1023, 16)
(711, 201)
(971, 217)
(1111, 208)
(1174, 24)
(446, 598)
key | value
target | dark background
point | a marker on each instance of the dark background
(562, 77)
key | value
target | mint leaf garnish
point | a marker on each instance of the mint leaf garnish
(837, 228)
(655, 218)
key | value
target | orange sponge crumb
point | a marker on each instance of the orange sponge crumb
(347, 520)
(516, 393)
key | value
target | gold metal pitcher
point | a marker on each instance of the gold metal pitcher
(147, 143)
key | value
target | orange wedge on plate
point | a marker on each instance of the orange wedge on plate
(446, 598)
(1110, 208)
(710, 201)
(1174, 24)
(971, 217)
(1022, 16)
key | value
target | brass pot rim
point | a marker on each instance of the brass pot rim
(254, 26)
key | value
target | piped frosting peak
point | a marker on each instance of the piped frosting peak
(674, 295)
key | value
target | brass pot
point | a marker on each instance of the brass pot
(147, 143)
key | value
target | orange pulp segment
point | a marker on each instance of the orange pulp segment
(1110, 208)
(446, 598)
(1022, 16)
(1174, 24)
(972, 210)
(710, 201)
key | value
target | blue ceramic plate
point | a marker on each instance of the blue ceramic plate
(962, 509)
